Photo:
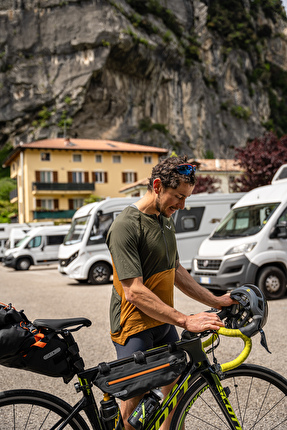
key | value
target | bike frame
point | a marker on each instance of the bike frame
(198, 366)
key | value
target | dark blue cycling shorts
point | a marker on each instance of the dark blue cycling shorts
(147, 339)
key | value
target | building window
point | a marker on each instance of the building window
(77, 158)
(78, 177)
(98, 158)
(47, 204)
(117, 159)
(45, 156)
(129, 177)
(100, 177)
(147, 159)
(46, 176)
(75, 203)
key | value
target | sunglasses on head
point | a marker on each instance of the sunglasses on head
(185, 169)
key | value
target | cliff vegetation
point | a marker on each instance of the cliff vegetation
(195, 76)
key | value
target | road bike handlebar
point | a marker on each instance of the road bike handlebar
(232, 333)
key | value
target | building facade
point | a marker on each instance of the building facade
(226, 171)
(55, 176)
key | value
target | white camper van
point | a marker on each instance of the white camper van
(39, 247)
(11, 233)
(5, 232)
(250, 244)
(84, 255)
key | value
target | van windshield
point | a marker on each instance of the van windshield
(245, 221)
(20, 242)
(77, 230)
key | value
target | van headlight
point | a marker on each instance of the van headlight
(72, 258)
(241, 249)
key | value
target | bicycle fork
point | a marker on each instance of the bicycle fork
(221, 396)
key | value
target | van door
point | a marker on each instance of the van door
(50, 248)
(35, 248)
(188, 233)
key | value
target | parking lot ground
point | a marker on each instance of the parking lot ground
(44, 293)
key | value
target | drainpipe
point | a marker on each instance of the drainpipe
(22, 182)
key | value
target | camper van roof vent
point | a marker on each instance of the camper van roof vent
(281, 174)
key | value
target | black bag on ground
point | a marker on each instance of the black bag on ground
(23, 346)
(140, 373)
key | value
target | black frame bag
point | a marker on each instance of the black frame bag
(134, 376)
(24, 346)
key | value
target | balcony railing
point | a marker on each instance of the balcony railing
(57, 214)
(62, 186)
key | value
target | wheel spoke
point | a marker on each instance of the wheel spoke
(35, 410)
(257, 396)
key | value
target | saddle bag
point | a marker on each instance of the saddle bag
(24, 346)
(127, 378)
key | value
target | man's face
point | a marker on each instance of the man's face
(169, 200)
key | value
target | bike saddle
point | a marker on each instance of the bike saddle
(61, 324)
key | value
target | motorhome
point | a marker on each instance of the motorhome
(250, 244)
(5, 231)
(84, 255)
(39, 247)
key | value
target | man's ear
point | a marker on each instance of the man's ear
(157, 185)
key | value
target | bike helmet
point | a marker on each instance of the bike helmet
(250, 315)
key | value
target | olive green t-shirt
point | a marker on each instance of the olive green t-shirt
(140, 245)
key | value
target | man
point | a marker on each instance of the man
(146, 268)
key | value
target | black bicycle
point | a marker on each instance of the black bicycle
(207, 395)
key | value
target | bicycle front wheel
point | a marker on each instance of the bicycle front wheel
(34, 410)
(256, 394)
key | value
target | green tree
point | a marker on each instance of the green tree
(7, 210)
(6, 186)
(260, 160)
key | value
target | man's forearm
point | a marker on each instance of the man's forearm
(191, 288)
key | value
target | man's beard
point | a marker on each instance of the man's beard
(159, 208)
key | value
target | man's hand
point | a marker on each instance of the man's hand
(225, 301)
(203, 321)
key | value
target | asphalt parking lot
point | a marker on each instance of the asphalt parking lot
(44, 293)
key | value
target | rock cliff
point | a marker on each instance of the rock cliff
(195, 76)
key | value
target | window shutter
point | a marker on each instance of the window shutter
(136, 176)
(38, 203)
(123, 177)
(55, 176)
(71, 204)
(37, 173)
(70, 177)
(94, 176)
(56, 204)
(86, 177)
(105, 177)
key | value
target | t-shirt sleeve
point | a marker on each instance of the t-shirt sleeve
(123, 242)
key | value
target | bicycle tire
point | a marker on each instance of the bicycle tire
(257, 396)
(33, 410)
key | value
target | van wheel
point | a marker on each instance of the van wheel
(99, 274)
(23, 264)
(272, 282)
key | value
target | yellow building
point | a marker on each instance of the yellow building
(54, 176)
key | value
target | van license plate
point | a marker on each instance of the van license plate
(205, 280)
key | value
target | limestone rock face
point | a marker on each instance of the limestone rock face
(149, 72)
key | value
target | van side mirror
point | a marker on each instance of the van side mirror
(282, 230)
(279, 231)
